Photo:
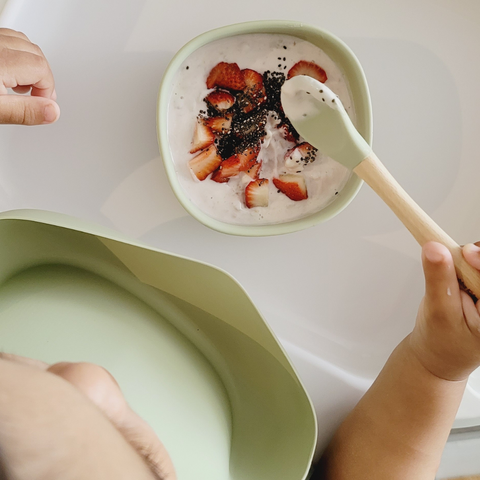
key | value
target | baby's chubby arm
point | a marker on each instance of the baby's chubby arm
(399, 428)
(24, 68)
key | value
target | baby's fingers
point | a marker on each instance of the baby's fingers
(441, 284)
(471, 312)
(472, 255)
(21, 110)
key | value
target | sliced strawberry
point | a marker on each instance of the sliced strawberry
(226, 75)
(287, 133)
(228, 168)
(308, 68)
(252, 79)
(205, 162)
(220, 100)
(254, 93)
(293, 186)
(254, 171)
(304, 153)
(202, 137)
(241, 162)
(219, 124)
(248, 157)
(256, 193)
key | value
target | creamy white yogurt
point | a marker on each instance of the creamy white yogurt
(225, 201)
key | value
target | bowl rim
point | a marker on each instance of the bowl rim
(287, 27)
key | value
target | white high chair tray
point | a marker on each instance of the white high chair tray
(340, 295)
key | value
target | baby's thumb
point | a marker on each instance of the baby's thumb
(441, 285)
(27, 110)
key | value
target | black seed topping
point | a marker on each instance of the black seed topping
(284, 47)
(187, 67)
(247, 130)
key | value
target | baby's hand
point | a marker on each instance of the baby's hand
(23, 67)
(446, 337)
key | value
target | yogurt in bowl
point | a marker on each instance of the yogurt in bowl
(233, 159)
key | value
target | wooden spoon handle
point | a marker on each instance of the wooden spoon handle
(421, 226)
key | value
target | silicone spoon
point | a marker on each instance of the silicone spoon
(320, 118)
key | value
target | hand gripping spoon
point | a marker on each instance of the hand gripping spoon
(320, 118)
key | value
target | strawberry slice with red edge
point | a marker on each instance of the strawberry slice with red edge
(203, 136)
(228, 168)
(308, 68)
(293, 186)
(254, 171)
(219, 124)
(256, 193)
(220, 100)
(240, 162)
(304, 152)
(248, 157)
(254, 93)
(226, 75)
(205, 162)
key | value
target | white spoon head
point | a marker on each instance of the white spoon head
(320, 118)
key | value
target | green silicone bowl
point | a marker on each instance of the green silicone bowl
(337, 50)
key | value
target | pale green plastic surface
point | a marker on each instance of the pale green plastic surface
(329, 129)
(191, 352)
(337, 50)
